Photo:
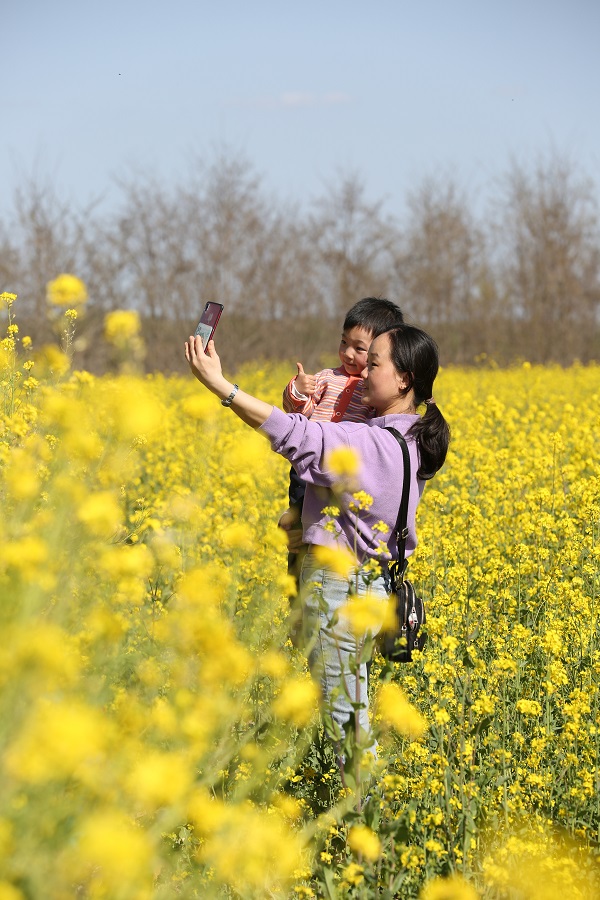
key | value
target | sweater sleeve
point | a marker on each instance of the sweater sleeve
(305, 444)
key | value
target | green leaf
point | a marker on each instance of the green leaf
(330, 884)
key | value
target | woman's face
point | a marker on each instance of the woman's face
(383, 384)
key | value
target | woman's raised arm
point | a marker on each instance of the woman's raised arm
(207, 369)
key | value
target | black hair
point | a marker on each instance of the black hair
(374, 314)
(415, 354)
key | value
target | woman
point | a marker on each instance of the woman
(401, 368)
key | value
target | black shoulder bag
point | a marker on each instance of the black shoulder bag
(397, 644)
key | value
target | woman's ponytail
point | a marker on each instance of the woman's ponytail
(415, 354)
(432, 434)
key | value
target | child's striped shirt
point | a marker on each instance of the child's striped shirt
(337, 396)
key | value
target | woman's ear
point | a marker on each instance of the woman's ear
(403, 381)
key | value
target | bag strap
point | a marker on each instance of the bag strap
(401, 528)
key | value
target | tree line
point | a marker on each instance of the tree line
(518, 280)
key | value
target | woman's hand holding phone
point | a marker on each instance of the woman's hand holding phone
(206, 366)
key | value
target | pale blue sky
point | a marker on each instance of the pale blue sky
(394, 91)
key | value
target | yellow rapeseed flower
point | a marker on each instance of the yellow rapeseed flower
(159, 778)
(22, 479)
(100, 513)
(552, 641)
(343, 462)
(201, 406)
(47, 649)
(251, 852)
(57, 740)
(136, 408)
(236, 536)
(51, 359)
(121, 326)
(207, 812)
(9, 892)
(361, 501)
(66, 290)
(116, 853)
(453, 888)
(289, 807)
(203, 588)
(362, 840)
(394, 709)
(24, 553)
(529, 707)
(274, 664)
(126, 561)
(367, 612)
(339, 559)
(84, 444)
(353, 875)
(298, 701)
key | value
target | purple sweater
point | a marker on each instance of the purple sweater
(306, 445)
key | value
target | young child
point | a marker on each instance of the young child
(334, 394)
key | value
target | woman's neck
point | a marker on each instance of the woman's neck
(398, 408)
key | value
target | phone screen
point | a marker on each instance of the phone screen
(208, 322)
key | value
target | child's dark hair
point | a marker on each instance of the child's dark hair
(415, 353)
(374, 314)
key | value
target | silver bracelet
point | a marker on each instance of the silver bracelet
(229, 399)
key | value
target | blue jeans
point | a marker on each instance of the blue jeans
(331, 645)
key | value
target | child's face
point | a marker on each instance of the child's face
(354, 348)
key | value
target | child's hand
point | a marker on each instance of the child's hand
(305, 384)
(289, 522)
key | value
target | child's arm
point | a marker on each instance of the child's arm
(290, 520)
(299, 393)
(303, 383)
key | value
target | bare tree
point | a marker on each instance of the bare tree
(228, 215)
(528, 283)
(10, 262)
(49, 235)
(138, 257)
(549, 260)
(355, 244)
(214, 236)
(442, 269)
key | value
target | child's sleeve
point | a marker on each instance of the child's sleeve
(291, 402)
(296, 403)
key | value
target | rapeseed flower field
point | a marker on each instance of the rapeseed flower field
(160, 734)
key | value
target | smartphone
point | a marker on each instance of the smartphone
(208, 322)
